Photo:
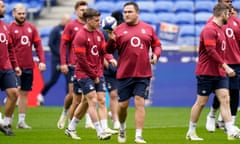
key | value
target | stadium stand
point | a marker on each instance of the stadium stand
(184, 6)
(184, 18)
(163, 6)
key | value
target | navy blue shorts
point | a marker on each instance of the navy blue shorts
(133, 86)
(88, 85)
(77, 88)
(7, 79)
(70, 75)
(25, 81)
(111, 83)
(208, 84)
(234, 82)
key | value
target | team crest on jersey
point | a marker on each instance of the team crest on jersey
(29, 30)
(235, 24)
(98, 38)
(16, 31)
(76, 28)
(143, 31)
(125, 32)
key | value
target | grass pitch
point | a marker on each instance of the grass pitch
(162, 126)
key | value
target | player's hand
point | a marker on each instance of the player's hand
(42, 66)
(113, 62)
(64, 69)
(229, 70)
(154, 59)
(97, 80)
(18, 71)
(111, 35)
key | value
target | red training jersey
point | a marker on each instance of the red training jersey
(211, 51)
(133, 43)
(8, 57)
(89, 51)
(24, 37)
(66, 47)
(232, 30)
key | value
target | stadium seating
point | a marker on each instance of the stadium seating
(44, 34)
(146, 6)
(202, 17)
(163, 6)
(184, 18)
(184, 6)
(204, 6)
(105, 6)
(166, 17)
(148, 17)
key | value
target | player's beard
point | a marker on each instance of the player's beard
(224, 21)
(20, 21)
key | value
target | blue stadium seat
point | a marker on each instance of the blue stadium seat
(184, 6)
(202, 17)
(105, 6)
(146, 6)
(185, 18)
(7, 18)
(204, 6)
(187, 35)
(199, 29)
(168, 17)
(236, 4)
(150, 18)
(163, 6)
(44, 34)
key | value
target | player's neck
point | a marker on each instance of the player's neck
(218, 21)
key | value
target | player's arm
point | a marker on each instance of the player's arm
(111, 44)
(156, 49)
(13, 59)
(39, 49)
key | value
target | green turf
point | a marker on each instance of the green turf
(162, 126)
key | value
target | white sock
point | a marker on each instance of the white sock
(98, 128)
(212, 112)
(220, 117)
(88, 119)
(192, 126)
(0, 115)
(138, 133)
(233, 119)
(73, 124)
(7, 121)
(65, 111)
(229, 127)
(104, 124)
(21, 117)
(123, 126)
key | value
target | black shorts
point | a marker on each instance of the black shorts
(129, 87)
(111, 83)
(7, 79)
(25, 81)
(70, 75)
(208, 84)
(234, 82)
(88, 85)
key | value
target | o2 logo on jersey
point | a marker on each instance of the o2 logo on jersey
(24, 40)
(94, 50)
(136, 42)
(229, 33)
(3, 38)
(223, 45)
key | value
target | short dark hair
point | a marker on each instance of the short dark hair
(80, 3)
(90, 13)
(135, 5)
(118, 16)
(219, 9)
